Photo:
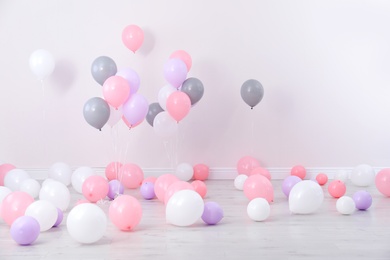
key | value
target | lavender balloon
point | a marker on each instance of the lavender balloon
(25, 230)
(60, 217)
(132, 78)
(362, 199)
(175, 72)
(288, 184)
(135, 109)
(115, 188)
(147, 190)
(212, 213)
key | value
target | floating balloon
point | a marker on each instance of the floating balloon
(193, 87)
(115, 116)
(258, 186)
(305, 197)
(258, 209)
(102, 68)
(132, 78)
(163, 95)
(133, 37)
(42, 63)
(184, 56)
(135, 109)
(212, 213)
(153, 111)
(252, 92)
(116, 91)
(382, 181)
(125, 212)
(362, 175)
(175, 72)
(25, 230)
(96, 112)
(246, 164)
(164, 125)
(61, 172)
(178, 105)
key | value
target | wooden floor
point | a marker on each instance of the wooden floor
(323, 235)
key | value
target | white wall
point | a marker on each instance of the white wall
(325, 67)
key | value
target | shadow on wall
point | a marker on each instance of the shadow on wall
(149, 42)
(64, 75)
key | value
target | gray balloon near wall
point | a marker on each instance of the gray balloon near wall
(102, 68)
(252, 92)
(96, 112)
(193, 87)
(154, 110)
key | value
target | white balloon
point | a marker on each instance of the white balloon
(258, 209)
(79, 176)
(345, 205)
(305, 197)
(86, 223)
(163, 95)
(363, 175)
(342, 175)
(61, 172)
(184, 208)
(56, 193)
(4, 191)
(184, 171)
(42, 63)
(164, 125)
(30, 186)
(14, 178)
(115, 116)
(239, 181)
(44, 212)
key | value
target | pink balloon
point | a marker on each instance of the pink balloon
(131, 176)
(322, 178)
(178, 105)
(95, 188)
(258, 186)
(4, 169)
(116, 91)
(201, 172)
(14, 205)
(337, 188)
(112, 170)
(125, 212)
(132, 37)
(175, 72)
(382, 181)
(184, 56)
(135, 109)
(132, 78)
(129, 125)
(200, 187)
(174, 187)
(162, 183)
(151, 179)
(261, 171)
(246, 164)
(299, 171)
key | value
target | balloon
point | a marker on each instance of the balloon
(184, 56)
(184, 208)
(112, 170)
(252, 92)
(135, 109)
(212, 213)
(261, 171)
(337, 188)
(102, 68)
(132, 78)
(162, 183)
(258, 209)
(4, 169)
(239, 181)
(44, 212)
(362, 175)
(130, 126)
(382, 181)
(258, 186)
(61, 172)
(345, 205)
(184, 171)
(25, 230)
(56, 193)
(131, 175)
(164, 125)
(42, 63)
(86, 223)
(200, 187)
(163, 95)
(299, 171)
(288, 183)
(116, 188)
(147, 190)
(153, 111)
(125, 212)
(4, 191)
(305, 197)
(95, 188)
(341, 175)
(322, 178)
(14, 205)
(175, 187)
(14, 178)
(60, 217)
(132, 37)
(175, 72)
(201, 172)
(193, 87)
(116, 91)
(150, 179)
(96, 112)
(178, 105)
(246, 164)
(79, 176)
(115, 116)
(362, 199)
(30, 186)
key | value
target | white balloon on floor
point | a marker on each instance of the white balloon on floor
(363, 175)
(305, 197)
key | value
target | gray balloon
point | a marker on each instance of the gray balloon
(154, 110)
(102, 68)
(96, 112)
(193, 87)
(252, 92)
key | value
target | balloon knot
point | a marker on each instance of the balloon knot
(251, 107)
(100, 129)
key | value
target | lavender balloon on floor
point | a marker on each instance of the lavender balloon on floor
(25, 230)
(212, 213)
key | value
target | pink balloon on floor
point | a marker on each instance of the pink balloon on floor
(174, 187)
(125, 212)
(162, 183)
(382, 181)
(131, 176)
(95, 188)
(322, 178)
(4, 169)
(261, 171)
(258, 186)
(299, 171)
(246, 164)
(200, 187)
(14, 205)
(151, 179)
(201, 172)
(112, 170)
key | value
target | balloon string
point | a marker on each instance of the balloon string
(252, 132)
(44, 118)
(168, 151)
